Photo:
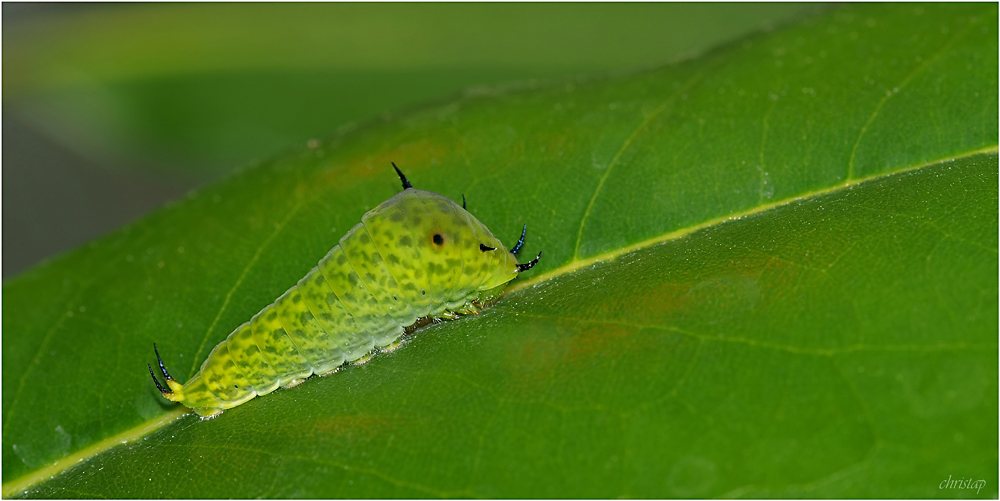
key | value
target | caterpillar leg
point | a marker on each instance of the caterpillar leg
(207, 412)
(392, 347)
(365, 358)
(331, 371)
(468, 309)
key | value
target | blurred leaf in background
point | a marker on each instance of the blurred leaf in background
(110, 110)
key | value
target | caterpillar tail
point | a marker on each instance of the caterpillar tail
(174, 391)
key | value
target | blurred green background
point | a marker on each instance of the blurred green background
(110, 110)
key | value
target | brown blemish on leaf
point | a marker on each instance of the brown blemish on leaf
(343, 426)
(594, 341)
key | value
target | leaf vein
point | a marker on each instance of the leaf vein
(239, 281)
(624, 147)
(34, 363)
(823, 352)
(891, 92)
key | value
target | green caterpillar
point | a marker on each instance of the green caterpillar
(416, 257)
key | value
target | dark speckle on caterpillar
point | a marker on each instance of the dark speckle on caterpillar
(416, 257)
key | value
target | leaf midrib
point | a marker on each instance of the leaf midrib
(135, 433)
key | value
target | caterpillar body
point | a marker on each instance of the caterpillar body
(415, 257)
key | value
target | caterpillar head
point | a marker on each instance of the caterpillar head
(439, 248)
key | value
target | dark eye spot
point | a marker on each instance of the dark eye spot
(423, 292)
(438, 239)
(484, 248)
